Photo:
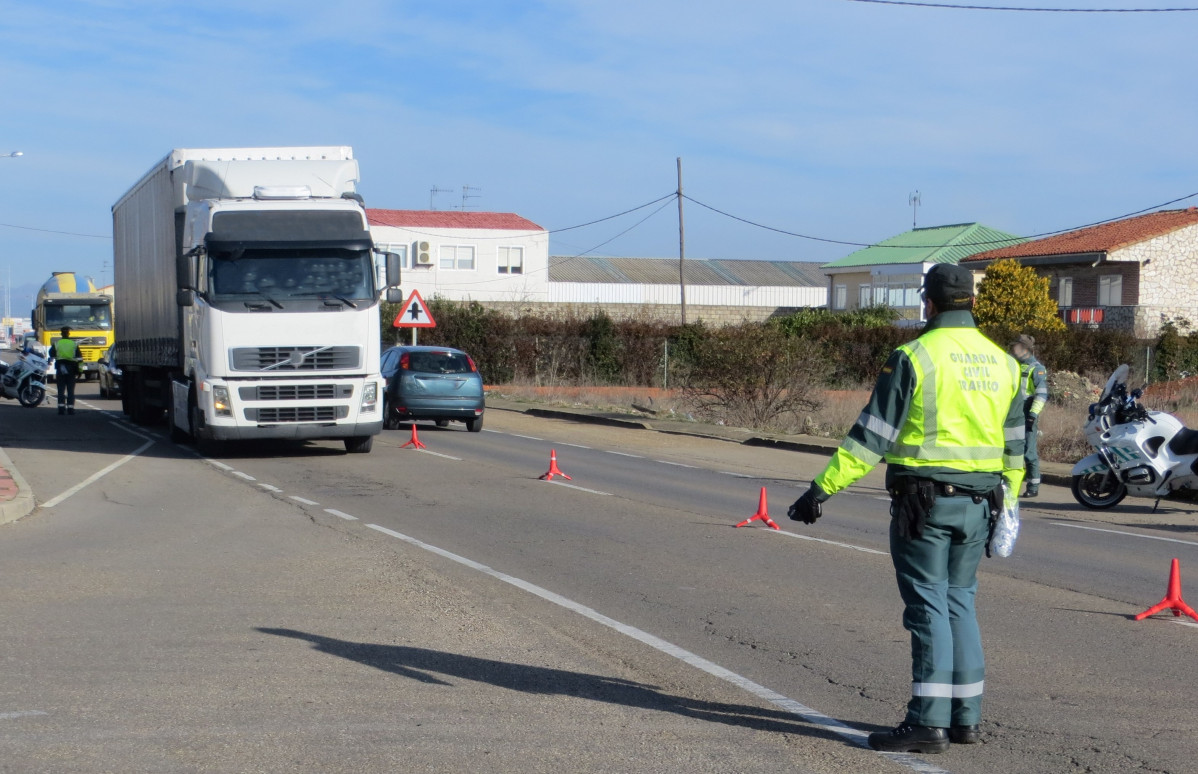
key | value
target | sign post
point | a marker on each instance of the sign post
(414, 314)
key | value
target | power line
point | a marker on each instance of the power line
(52, 231)
(957, 7)
(931, 247)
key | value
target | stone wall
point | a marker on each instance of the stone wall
(715, 316)
(1168, 278)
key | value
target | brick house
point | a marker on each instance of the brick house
(1128, 274)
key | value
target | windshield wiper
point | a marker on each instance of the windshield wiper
(343, 300)
(275, 303)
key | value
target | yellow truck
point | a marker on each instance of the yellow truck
(65, 301)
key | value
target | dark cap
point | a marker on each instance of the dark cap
(1026, 341)
(948, 283)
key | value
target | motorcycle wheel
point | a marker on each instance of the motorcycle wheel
(30, 396)
(1098, 490)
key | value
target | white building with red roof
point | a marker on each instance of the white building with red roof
(461, 255)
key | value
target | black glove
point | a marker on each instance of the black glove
(807, 508)
(1030, 422)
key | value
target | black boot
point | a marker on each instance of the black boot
(964, 734)
(1033, 490)
(909, 738)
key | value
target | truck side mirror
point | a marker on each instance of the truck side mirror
(395, 296)
(394, 267)
(185, 297)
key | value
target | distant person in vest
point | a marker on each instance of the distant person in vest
(1034, 380)
(947, 416)
(65, 355)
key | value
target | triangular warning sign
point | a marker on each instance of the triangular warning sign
(414, 314)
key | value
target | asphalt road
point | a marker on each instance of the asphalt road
(305, 557)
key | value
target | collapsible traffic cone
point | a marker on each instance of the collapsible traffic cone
(415, 442)
(554, 470)
(762, 513)
(1172, 600)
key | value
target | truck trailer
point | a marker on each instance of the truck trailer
(249, 303)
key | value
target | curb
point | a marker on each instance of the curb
(592, 419)
(23, 504)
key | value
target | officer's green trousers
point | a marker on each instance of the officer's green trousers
(937, 578)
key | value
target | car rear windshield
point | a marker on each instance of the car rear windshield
(439, 363)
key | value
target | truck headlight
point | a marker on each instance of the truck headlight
(370, 396)
(220, 401)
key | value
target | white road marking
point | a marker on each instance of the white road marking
(217, 464)
(439, 454)
(575, 445)
(579, 488)
(270, 488)
(1185, 623)
(246, 476)
(730, 473)
(625, 454)
(340, 514)
(130, 431)
(829, 542)
(304, 500)
(1129, 534)
(814, 717)
(96, 476)
(21, 714)
(497, 432)
(529, 437)
(676, 464)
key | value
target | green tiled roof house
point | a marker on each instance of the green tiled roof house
(891, 272)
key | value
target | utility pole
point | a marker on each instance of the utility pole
(681, 246)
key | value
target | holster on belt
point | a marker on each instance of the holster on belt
(911, 500)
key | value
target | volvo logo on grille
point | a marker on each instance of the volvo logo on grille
(296, 358)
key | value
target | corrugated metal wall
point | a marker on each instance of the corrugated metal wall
(697, 295)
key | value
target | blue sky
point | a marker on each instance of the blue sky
(813, 116)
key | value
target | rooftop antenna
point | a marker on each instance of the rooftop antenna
(914, 201)
(466, 189)
(433, 192)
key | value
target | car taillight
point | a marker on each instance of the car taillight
(473, 367)
(404, 361)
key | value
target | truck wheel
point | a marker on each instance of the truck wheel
(361, 444)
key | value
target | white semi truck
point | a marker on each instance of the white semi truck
(249, 297)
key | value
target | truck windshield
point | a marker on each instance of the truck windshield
(83, 317)
(279, 275)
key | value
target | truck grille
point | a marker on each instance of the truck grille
(296, 392)
(295, 358)
(297, 414)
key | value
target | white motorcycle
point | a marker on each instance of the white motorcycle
(25, 381)
(1140, 452)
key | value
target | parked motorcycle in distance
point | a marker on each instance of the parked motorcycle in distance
(1139, 452)
(24, 380)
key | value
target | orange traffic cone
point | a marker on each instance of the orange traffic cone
(762, 513)
(415, 442)
(1172, 600)
(554, 470)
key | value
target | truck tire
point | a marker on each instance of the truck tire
(360, 444)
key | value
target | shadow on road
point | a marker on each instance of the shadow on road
(434, 666)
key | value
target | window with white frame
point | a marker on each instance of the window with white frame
(459, 257)
(840, 296)
(511, 260)
(1065, 292)
(1110, 290)
(865, 296)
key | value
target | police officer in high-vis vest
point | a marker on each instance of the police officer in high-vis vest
(947, 416)
(65, 354)
(1034, 378)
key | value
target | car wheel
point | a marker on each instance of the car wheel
(474, 425)
(442, 423)
(390, 418)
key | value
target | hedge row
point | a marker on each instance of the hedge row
(839, 349)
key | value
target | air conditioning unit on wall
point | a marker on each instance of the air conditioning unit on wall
(423, 253)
